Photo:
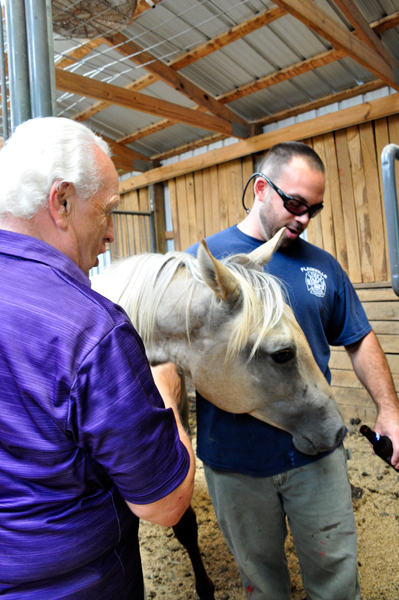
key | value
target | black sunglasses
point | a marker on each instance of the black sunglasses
(293, 205)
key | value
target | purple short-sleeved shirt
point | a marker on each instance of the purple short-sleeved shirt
(82, 426)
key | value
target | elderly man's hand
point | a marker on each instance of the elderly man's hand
(168, 382)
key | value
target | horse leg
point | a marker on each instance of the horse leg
(186, 532)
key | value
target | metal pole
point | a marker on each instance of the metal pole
(388, 156)
(39, 60)
(51, 55)
(18, 71)
(3, 81)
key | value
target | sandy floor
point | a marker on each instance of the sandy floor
(167, 569)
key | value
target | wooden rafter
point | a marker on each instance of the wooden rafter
(357, 90)
(171, 77)
(84, 86)
(125, 159)
(315, 18)
(363, 29)
(216, 43)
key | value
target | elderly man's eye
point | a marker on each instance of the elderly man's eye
(283, 356)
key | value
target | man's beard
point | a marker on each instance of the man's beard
(271, 227)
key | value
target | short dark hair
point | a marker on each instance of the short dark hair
(281, 155)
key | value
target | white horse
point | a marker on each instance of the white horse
(226, 325)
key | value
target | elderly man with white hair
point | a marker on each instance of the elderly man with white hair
(87, 443)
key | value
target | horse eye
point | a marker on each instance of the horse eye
(283, 356)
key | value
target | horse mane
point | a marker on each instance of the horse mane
(139, 283)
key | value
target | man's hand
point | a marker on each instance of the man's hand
(168, 382)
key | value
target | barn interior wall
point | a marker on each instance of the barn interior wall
(351, 227)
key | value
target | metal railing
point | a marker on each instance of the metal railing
(389, 154)
(134, 233)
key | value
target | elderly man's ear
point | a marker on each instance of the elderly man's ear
(60, 203)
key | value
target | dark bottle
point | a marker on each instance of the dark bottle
(381, 443)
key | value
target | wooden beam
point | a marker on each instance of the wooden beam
(386, 23)
(298, 68)
(368, 111)
(211, 139)
(364, 31)
(315, 18)
(371, 86)
(76, 54)
(171, 77)
(126, 159)
(216, 43)
(92, 88)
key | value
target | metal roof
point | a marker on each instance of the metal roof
(226, 60)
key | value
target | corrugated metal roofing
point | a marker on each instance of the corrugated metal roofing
(175, 27)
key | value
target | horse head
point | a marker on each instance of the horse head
(265, 366)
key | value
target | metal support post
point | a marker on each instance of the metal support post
(18, 70)
(3, 81)
(39, 60)
(388, 156)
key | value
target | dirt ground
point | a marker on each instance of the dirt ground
(167, 568)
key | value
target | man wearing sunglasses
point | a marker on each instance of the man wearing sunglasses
(256, 477)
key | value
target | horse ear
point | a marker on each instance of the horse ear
(217, 276)
(263, 254)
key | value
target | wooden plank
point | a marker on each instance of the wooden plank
(214, 223)
(386, 23)
(348, 379)
(199, 205)
(206, 175)
(192, 217)
(366, 414)
(348, 206)
(336, 200)
(159, 209)
(332, 30)
(352, 397)
(384, 294)
(175, 213)
(389, 343)
(144, 225)
(368, 111)
(384, 311)
(326, 216)
(388, 327)
(92, 88)
(340, 359)
(181, 195)
(374, 201)
(361, 202)
(235, 186)
(223, 189)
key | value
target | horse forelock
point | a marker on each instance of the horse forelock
(263, 304)
(139, 284)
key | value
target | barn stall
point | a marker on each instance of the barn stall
(190, 95)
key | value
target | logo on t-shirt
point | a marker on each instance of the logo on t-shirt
(315, 281)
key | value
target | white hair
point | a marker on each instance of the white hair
(40, 152)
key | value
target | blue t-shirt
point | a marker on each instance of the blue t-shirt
(329, 312)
